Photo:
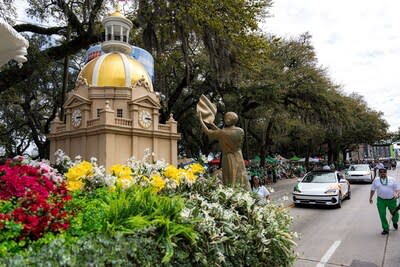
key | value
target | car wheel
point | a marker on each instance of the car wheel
(339, 204)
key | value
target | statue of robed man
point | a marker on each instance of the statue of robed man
(230, 139)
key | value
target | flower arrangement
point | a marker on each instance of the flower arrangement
(84, 175)
(33, 197)
(182, 215)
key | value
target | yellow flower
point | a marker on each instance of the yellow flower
(157, 182)
(74, 185)
(86, 167)
(197, 168)
(191, 177)
(121, 171)
(77, 173)
(173, 173)
(72, 175)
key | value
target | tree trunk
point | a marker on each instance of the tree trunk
(44, 150)
(267, 137)
(330, 152)
(65, 78)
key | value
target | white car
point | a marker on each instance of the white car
(359, 173)
(322, 187)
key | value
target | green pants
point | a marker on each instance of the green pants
(382, 204)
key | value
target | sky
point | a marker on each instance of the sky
(358, 41)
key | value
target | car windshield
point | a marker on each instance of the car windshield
(359, 168)
(320, 177)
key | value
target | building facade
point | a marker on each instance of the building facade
(113, 112)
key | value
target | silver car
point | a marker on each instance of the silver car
(322, 187)
(359, 173)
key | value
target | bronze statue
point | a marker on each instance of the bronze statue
(230, 139)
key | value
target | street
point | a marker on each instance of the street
(349, 236)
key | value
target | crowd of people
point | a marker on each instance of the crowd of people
(272, 172)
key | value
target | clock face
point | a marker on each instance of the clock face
(145, 119)
(76, 118)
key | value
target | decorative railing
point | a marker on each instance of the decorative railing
(163, 127)
(61, 128)
(92, 122)
(123, 122)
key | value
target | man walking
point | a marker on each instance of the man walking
(387, 190)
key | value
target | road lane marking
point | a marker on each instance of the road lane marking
(328, 254)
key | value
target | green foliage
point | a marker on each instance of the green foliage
(102, 249)
(89, 215)
(6, 206)
(130, 211)
(8, 238)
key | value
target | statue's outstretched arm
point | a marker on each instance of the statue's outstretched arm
(213, 126)
(203, 125)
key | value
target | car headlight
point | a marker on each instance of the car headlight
(332, 191)
(296, 188)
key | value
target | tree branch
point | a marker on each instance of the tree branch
(14, 75)
(73, 20)
(38, 29)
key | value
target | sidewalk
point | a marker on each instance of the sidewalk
(282, 191)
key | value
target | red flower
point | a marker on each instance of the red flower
(54, 212)
(40, 206)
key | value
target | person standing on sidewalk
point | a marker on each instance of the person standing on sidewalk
(262, 191)
(387, 190)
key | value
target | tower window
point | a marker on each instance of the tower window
(117, 32)
(119, 113)
(108, 33)
(124, 34)
(98, 112)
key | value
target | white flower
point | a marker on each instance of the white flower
(78, 159)
(186, 213)
(93, 160)
(110, 180)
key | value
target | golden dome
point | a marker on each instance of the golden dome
(116, 14)
(115, 69)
